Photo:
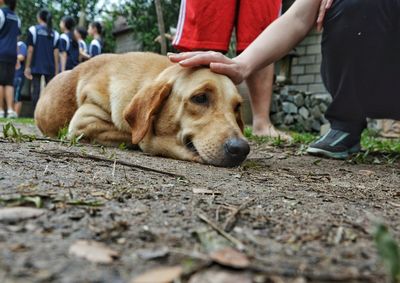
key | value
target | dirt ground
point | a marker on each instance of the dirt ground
(297, 218)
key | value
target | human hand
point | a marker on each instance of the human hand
(325, 5)
(28, 73)
(217, 62)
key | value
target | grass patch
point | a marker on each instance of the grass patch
(27, 121)
(376, 149)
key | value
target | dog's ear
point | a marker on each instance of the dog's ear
(144, 106)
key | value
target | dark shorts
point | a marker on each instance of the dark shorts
(18, 84)
(7, 72)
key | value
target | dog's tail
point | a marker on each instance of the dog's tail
(57, 104)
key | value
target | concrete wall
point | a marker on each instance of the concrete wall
(306, 68)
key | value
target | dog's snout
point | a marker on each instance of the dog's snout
(236, 150)
(237, 147)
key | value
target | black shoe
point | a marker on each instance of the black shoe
(335, 144)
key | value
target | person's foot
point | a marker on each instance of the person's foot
(335, 144)
(268, 130)
(11, 114)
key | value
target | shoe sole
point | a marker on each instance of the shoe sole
(333, 155)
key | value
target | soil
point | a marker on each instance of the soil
(296, 217)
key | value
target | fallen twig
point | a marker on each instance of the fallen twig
(231, 220)
(102, 159)
(238, 244)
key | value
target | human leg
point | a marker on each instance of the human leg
(18, 83)
(253, 18)
(35, 89)
(358, 68)
(260, 87)
(9, 91)
(2, 96)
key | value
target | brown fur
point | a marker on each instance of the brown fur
(143, 99)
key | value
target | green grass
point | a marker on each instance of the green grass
(375, 149)
(29, 121)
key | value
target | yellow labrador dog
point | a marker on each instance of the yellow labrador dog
(143, 99)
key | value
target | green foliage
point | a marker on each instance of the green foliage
(63, 134)
(14, 134)
(389, 251)
(142, 17)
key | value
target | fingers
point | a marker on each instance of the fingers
(329, 4)
(321, 14)
(203, 59)
(174, 57)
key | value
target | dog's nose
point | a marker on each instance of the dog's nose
(236, 150)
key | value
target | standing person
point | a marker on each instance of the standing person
(81, 35)
(208, 25)
(42, 58)
(10, 26)
(19, 78)
(360, 61)
(69, 45)
(95, 30)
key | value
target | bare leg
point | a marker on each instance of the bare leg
(10, 97)
(2, 92)
(17, 107)
(260, 87)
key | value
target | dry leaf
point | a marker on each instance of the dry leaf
(14, 214)
(159, 275)
(93, 251)
(219, 276)
(230, 257)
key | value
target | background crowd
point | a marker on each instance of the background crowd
(45, 53)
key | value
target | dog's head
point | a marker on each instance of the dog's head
(189, 114)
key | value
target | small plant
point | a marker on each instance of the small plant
(122, 146)
(74, 141)
(14, 134)
(389, 251)
(63, 134)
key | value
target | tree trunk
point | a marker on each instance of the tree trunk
(161, 26)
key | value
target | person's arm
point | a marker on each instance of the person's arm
(63, 60)
(83, 54)
(271, 45)
(27, 72)
(56, 61)
(63, 52)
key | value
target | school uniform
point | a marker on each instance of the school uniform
(83, 46)
(71, 47)
(95, 48)
(19, 73)
(44, 42)
(10, 29)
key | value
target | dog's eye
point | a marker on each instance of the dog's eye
(201, 99)
(237, 108)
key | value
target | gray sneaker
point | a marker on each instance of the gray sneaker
(12, 114)
(335, 144)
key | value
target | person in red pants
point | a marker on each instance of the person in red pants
(208, 25)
